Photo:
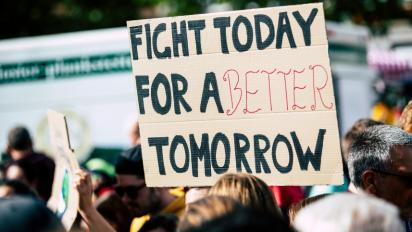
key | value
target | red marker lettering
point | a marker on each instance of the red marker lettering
(270, 91)
(246, 109)
(318, 89)
(226, 77)
(286, 90)
(295, 87)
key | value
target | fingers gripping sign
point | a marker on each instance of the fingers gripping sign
(83, 184)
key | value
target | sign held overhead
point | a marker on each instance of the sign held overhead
(244, 91)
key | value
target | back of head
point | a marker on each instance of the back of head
(205, 210)
(405, 121)
(19, 139)
(27, 214)
(38, 171)
(243, 219)
(349, 212)
(249, 190)
(357, 128)
(295, 208)
(27, 167)
(15, 188)
(130, 162)
(372, 148)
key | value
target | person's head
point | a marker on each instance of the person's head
(22, 170)
(349, 212)
(357, 128)
(405, 121)
(380, 163)
(33, 171)
(224, 214)
(248, 190)
(19, 142)
(9, 188)
(206, 209)
(160, 223)
(295, 208)
(131, 185)
(27, 214)
(111, 207)
(102, 173)
(195, 193)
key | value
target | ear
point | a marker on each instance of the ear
(369, 182)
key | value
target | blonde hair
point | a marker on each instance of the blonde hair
(405, 121)
(206, 209)
(249, 190)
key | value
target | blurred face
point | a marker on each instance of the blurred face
(97, 181)
(6, 191)
(140, 199)
(395, 184)
(14, 172)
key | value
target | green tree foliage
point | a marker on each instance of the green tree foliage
(27, 17)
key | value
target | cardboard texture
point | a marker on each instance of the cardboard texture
(65, 198)
(243, 91)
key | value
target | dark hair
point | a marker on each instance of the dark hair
(38, 170)
(19, 139)
(243, 220)
(166, 221)
(130, 162)
(27, 167)
(27, 214)
(18, 188)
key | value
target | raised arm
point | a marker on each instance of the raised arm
(90, 215)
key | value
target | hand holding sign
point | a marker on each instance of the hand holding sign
(83, 183)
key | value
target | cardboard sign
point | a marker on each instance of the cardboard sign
(65, 198)
(244, 91)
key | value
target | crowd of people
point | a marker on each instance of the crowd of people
(376, 194)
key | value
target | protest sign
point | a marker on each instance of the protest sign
(244, 91)
(65, 198)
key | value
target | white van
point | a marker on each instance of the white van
(85, 75)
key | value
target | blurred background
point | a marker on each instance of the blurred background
(73, 56)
